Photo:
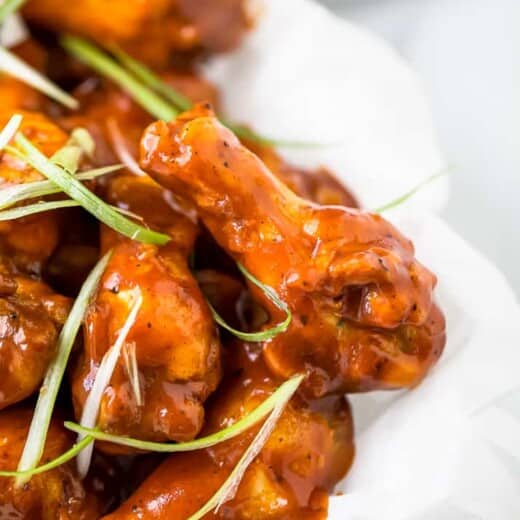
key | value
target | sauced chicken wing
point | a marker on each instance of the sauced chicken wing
(309, 451)
(362, 305)
(165, 25)
(30, 241)
(31, 315)
(55, 494)
(175, 340)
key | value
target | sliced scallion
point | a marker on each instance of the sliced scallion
(8, 7)
(259, 413)
(38, 207)
(31, 190)
(104, 374)
(69, 156)
(54, 463)
(91, 202)
(152, 80)
(228, 490)
(409, 194)
(102, 63)
(132, 370)
(262, 335)
(15, 67)
(35, 442)
(9, 130)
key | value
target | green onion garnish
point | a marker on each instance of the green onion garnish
(104, 64)
(9, 130)
(79, 143)
(228, 490)
(35, 442)
(132, 370)
(409, 194)
(39, 207)
(14, 66)
(152, 80)
(8, 7)
(263, 335)
(104, 373)
(99, 61)
(54, 463)
(261, 411)
(91, 202)
(31, 190)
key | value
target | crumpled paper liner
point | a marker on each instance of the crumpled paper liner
(450, 449)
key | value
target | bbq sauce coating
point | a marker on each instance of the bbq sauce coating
(309, 451)
(362, 307)
(174, 337)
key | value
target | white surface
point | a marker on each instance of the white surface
(466, 52)
(445, 451)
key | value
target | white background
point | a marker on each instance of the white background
(467, 53)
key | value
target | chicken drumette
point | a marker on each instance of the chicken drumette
(363, 316)
(309, 451)
(174, 338)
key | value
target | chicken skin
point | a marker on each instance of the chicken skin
(167, 26)
(55, 494)
(362, 307)
(31, 316)
(175, 340)
(309, 451)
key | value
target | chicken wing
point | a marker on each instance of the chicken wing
(175, 340)
(165, 25)
(309, 451)
(31, 315)
(362, 307)
(55, 494)
(30, 241)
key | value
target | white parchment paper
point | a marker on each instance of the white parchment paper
(450, 449)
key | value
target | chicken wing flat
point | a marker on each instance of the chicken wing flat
(362, 307)
(174, 338)
(309, 451)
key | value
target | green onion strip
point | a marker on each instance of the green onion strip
(54, 463)
(15, 67)
(35, 442)
(104, 373)
(228, 490)
(99, 61)
(408, 195)
(38, 207)
(263, 335)
(8, 7)
(31, 190)
(10, 130)
(259, 413)
(91, 202)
